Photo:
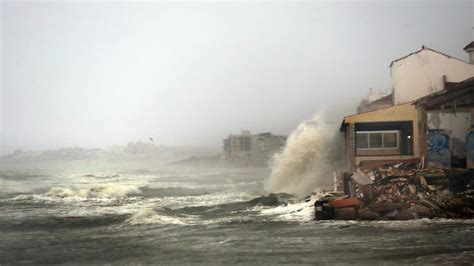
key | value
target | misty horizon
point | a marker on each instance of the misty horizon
(188, 74)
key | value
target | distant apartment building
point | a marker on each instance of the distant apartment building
(248, 149)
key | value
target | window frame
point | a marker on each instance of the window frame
(383, 141)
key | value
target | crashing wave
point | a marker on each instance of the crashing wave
(311, 153)
(298, 211)
(271, 200)
(150, 216)
(107, 191)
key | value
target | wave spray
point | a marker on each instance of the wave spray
(312, 153)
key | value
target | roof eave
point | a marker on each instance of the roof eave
(342, 128)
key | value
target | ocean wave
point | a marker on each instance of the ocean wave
(12, 187)
(61, 222)
(101, 176)
(208, 209)
(228, 203)
(458, 258)
(272, 200)
(150, 216)
(110, 190)
(297, 212)
(207, 200)
(173, 191)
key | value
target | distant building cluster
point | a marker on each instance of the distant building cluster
(429, 116)
(248, 149)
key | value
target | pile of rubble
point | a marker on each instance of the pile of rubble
(402, 192)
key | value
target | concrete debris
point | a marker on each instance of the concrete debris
(403, 191)
(362, 178)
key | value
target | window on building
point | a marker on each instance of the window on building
(377, 139)
(362, 141)
(390, 139)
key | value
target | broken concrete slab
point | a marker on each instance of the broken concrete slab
(361, 178)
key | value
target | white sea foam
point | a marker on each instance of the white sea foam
(110, 190)
(150, 216)
(206, 200)
(300, 211)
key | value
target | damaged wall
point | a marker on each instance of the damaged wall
(456, 125)
(421, 74)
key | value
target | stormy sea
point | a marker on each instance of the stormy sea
(179, 214)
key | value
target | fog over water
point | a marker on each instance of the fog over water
(187, 74)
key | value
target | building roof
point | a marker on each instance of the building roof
(450, 85)
(384, 100)
(423, 48)
(469, 46)
(462, 95)
(401, 112)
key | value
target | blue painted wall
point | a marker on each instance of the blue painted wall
(438, 147)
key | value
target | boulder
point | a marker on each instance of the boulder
(421, 211)
(405, 215)
(348, 213)
(365, 214)
(452, 215)
(390, 215)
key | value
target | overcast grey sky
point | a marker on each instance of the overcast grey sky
(187, 74)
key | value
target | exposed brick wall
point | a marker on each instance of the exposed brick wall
(350, 146)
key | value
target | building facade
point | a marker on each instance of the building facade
(426, 71)
(248, 149)
(386, 134)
